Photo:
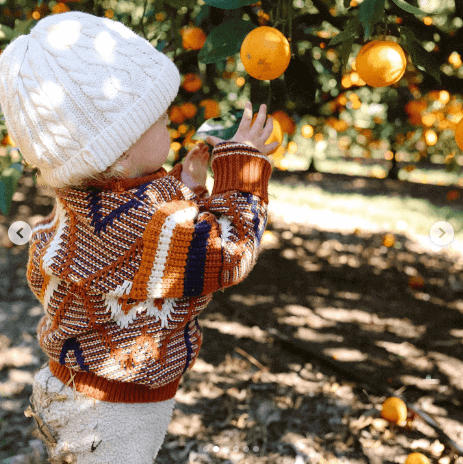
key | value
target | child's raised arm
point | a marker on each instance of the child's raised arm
(193, 249)
(180, 247)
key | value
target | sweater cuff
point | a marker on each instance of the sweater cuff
(238, 166)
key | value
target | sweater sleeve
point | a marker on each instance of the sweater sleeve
(192, 249)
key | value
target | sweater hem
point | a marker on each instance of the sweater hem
(112, 391)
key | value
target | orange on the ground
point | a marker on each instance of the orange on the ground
(394, 410)
(416, 458)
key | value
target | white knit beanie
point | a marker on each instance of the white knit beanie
(79, 90)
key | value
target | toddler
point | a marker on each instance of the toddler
(131, 253)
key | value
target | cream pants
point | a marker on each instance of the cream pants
(79, 429)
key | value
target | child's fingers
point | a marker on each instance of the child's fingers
(260, 119)
(245, 123)
(268, 128)
(271, 146)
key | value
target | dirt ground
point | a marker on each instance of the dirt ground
(343, 301)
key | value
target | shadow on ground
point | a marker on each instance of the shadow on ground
(251, 399)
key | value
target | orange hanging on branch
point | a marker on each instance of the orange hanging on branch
(380, 63)
(193, 38)
(192, 82)
(211, 108)
(265, 53)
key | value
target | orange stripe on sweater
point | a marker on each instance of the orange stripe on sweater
(150, 245)
(174, 272)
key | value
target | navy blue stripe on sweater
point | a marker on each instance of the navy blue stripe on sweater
(252, 200)
(71, 344)
(189, 347)
(193, 283)
(98, 221)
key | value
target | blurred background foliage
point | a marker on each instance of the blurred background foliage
(332, 121)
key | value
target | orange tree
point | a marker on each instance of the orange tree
(311, 81)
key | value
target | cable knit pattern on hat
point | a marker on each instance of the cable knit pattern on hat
(79, 90)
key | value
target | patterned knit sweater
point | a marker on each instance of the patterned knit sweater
(124, 268)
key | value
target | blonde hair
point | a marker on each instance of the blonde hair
(117, 170)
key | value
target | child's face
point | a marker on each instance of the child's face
(150, 151)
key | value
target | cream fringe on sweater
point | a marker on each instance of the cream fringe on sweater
(82, 430)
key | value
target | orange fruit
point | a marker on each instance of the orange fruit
(192, 82)
(416, 458)
(380, 63)
(416, 282)
(415, 107)
(286, 122)
(275, 136)
(176, 115)
(394, 410)
(7, 140)
(459, 134)
(211, 108)
(453, 195)
(388, 240)
(188, 109)
(265, 53)
(193, 38)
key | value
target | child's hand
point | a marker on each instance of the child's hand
(255, 135)
(195, 166)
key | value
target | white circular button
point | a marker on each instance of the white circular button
(20, 232)
(441, 233)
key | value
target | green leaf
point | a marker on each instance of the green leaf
(6, 33)
(224, 127)
(8, 185)
(224, 40)
(179, 3)
(229, 4)
(420, 57)
(370, 12)
(204, 13)
(346, 3)
(350, 30)
(409, 8)
(346, 49)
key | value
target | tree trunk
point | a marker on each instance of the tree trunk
(394, 171)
